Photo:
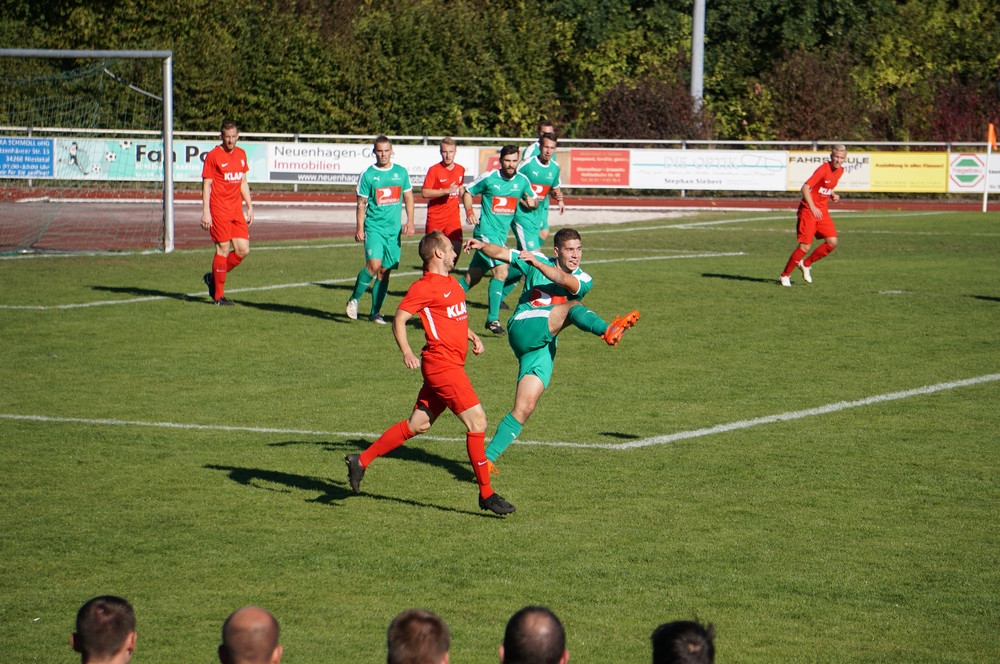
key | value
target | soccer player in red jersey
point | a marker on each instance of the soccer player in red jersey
(440, 301)
(224, 189)
(443, 188)
(814, 219)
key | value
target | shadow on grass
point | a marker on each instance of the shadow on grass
(622, 436)
(277, 308)
(329, 492)
(987, 298)
(738, 277)
(149, 292)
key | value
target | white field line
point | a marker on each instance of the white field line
(646, 442)
(153, 298)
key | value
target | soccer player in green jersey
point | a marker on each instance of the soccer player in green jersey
(549, 303)
(383, 191)
(501, 190)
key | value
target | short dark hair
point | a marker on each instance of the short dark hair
(545, 123)
(548, 136)
(381, 138)
(683, 642)
(534, 636)
(430, 242)
(509, 149)
(102, 625)
(228, 124)
(417, 636)
(564, 235)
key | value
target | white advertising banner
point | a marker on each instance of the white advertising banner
(721, 170)
(341, 163)
(967, 173)
(856, 177)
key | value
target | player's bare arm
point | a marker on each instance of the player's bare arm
(408, 230)
(429, 194)
(206, 194)
(245, 193)
(399, 331)
(529, 201)
(557, 196)
(808, 198)
(494, 251)
(359, 235)
(553, 273)
(477, 343)
(470, 214)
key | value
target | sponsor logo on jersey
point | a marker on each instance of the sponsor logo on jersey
(504, 205)
(540, 298)
(541, 190)
(233, 177)
(456, 310)
(826, 191)
(388, 195)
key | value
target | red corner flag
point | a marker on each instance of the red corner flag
(991, 136)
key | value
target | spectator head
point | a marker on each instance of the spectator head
(683, 642)
(534, 635)
(250, 636)
(105, 630)
(417, 636)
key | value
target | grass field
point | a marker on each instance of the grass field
(190, 458)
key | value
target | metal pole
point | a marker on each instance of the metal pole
(168, 155)
(986, 183)
(698, 55)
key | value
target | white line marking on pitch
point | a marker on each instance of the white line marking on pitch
(345, 280)
(646, 442)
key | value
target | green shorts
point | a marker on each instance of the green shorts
(527, 237)
(383, 247)
(533, 344)
(483, 262)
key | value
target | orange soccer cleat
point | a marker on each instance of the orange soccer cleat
(618, 326)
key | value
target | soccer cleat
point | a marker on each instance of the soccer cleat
(223, 302)
(504, 306)
(785, 280)
(352, 309)
(496, 504)
(492, 468)
(495, 327)
(806, 272)
(355, 473)
(377, 318)
(210, 282)
(614, 333)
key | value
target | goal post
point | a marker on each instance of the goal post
(166, 60)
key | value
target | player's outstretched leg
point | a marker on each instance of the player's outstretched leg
(507, 431)
(618, 326)
(392, 438)
(793, 262)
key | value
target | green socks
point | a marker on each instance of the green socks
(507, 431)
(362, 283)
(586, 320)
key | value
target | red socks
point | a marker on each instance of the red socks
(393, 437)
(232, 260)
(821, 250)
(475, 445)
(793, 261)
(219, 270)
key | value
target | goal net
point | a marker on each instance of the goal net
(71, 124)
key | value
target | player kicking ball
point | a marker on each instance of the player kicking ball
(440, 301)
(549, 303)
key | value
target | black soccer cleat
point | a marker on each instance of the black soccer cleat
(355, 473)
(223, 302)
(210, 282)
(495, 327)
(495, 504)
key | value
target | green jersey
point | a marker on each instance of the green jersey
(500, 198)
(540, 292)
(527, 223)
(384, 189)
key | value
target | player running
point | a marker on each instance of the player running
(814, 218)
(383, 191)
(550, 302)
(501, 190)
(440, 302)
(224, 190)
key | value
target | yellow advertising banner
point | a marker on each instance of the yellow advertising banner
(909, 172)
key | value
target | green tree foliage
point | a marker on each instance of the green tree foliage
(809, 69)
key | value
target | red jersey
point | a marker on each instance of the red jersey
(443, 212)
(440, 302)
(821, 185)
(226, 170)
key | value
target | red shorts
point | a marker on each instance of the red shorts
(454, 233)
(809, 227)
(224, 230)
(447, 388)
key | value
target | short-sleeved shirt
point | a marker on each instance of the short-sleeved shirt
(532, 150)
(544, 178)
(384, 189)
(821, 184)
(440, 302)
(499, 203)
(542, 293)
(443, 213)
(226, 170)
